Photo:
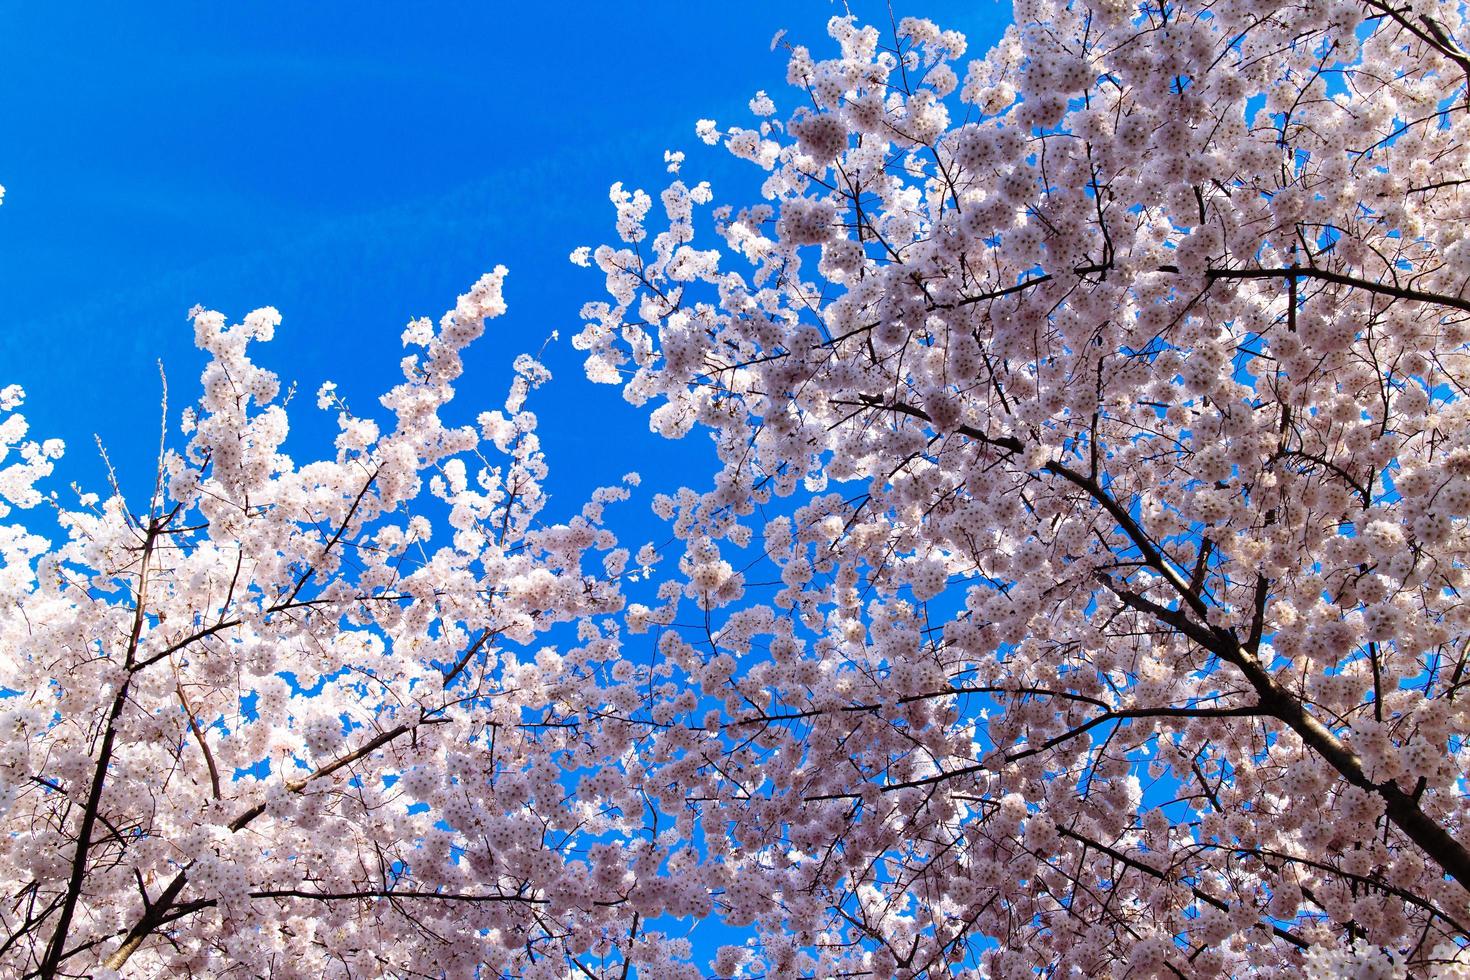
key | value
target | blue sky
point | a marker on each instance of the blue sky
(354, 165)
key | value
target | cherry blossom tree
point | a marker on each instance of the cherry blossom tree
(1074, 589)
(269, 722)
(1117, 382)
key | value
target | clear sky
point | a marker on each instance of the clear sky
(355, 165)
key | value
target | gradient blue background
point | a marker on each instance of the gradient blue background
(356, 165)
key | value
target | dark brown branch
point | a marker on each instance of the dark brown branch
(92, 809)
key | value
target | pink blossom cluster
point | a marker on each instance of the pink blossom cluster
(273, 719)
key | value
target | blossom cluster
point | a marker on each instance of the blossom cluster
(274, 719)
